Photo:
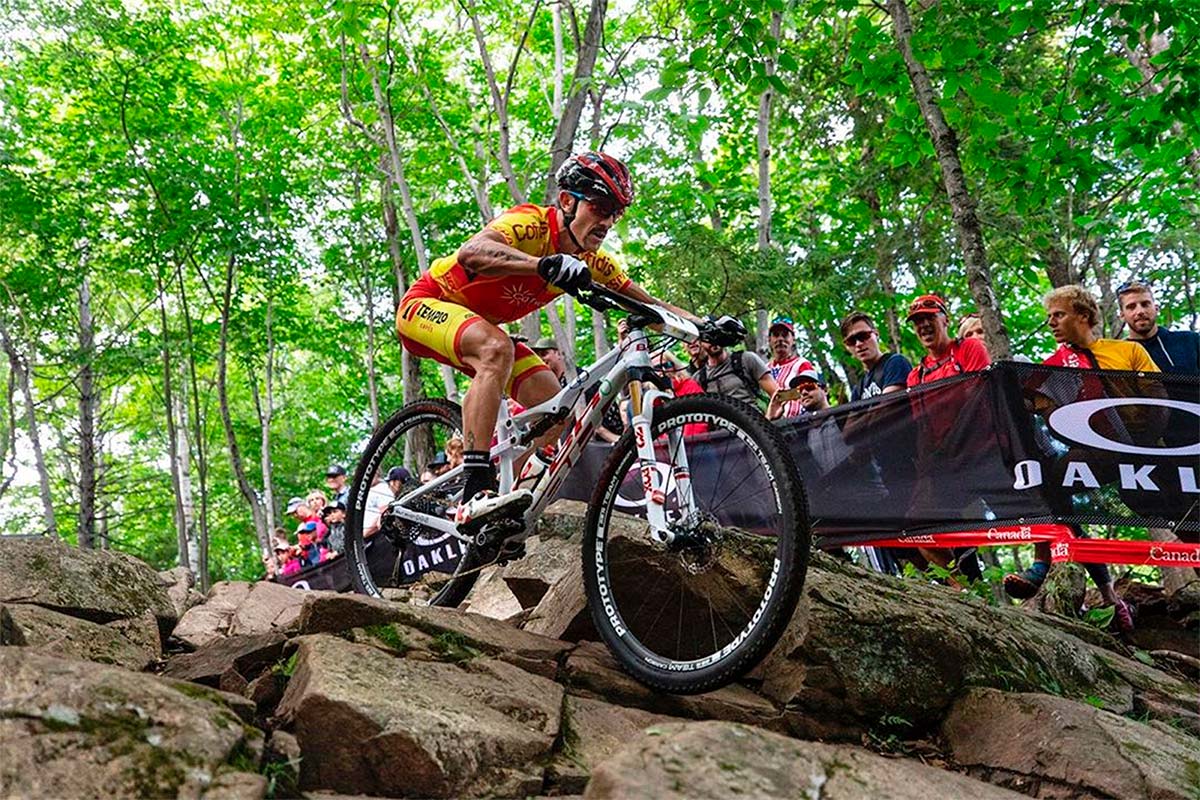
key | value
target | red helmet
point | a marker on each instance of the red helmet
(596, 175)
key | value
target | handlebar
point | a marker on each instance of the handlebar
(725, 332)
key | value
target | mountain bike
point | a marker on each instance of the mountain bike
(691, 572)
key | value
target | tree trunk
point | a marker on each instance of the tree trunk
(962, 204)
(235, 453)
(556, 15)
(499, 103)
(266, 410)
(181, 540)
(199, 555)
(599, 333)
(21, 370)
(585, 64)
(565, 342)
(762, 318)
(86, 532)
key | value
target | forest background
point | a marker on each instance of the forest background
(208, 210)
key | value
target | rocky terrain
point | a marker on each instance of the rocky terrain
(117, 681)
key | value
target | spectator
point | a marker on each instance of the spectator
(310, 530)
(1073, 314)
(885, 372)
(547, 350)
(944, 358)
(681, 384)
(1176, 352)
(741, 375)
(382, 493)
(334, 517)
(335, 479)
(696, 358)
(438, 466)
(454, 451)
(971, 326)
(785, 363)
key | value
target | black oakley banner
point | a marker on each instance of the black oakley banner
(1013, 444)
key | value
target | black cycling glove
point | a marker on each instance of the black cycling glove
(565, 271)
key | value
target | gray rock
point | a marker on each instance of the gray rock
(491, 597)
(1052, 747)
(180, 583)
(248, 655)
(325, 612)
(720, 760)
(368, 722)
(79, 729)
(591, 671)
(132, 643)
(240, 608)
(547, 560)
(97, 585)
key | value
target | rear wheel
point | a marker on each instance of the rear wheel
(384, 552)
(697, 614)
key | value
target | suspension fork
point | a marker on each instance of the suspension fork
(654, 480)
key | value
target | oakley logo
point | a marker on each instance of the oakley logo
(1074, 422)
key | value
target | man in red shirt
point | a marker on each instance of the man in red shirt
(944, 358)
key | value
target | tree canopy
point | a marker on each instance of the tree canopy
(208, 211)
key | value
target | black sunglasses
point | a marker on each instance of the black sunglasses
(856, 338)
(604, 206)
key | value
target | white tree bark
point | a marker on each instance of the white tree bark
(21, 369)
(762, 317)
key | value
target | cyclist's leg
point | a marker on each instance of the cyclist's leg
(534, 383)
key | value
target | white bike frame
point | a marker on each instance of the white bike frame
(612, 374)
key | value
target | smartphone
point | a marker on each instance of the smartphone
(787, 395)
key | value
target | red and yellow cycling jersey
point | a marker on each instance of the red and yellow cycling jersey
(440, 306)
(534, 230)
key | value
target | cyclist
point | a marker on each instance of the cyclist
(519, 262)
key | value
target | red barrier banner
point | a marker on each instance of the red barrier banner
(1064, 545)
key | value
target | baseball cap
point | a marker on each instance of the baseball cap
(926, 304)
(293, 504)
(439, 460)
(398, 474)
(783, 322)
(334, 470)
(544, 343)
(806, 375)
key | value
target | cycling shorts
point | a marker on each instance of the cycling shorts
(433, 328)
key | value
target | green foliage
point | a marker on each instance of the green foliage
(148, 147)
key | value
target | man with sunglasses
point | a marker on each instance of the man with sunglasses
(884, 372)
(519, 262)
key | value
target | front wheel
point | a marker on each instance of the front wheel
(696, 614)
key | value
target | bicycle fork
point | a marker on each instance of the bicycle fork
(656, 481)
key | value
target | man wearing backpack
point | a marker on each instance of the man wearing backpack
(742, 375)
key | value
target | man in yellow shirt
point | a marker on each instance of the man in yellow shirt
(1073, 315)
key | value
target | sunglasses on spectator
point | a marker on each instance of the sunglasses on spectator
(858, 338)
(806, 386)
(605, 207)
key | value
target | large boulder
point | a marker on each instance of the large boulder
(1052, 747)
(370, 722)
(131, 642)
(240, 608)
(246, 656)
(325, 612)
(547, 559)
(96, 585)
(180, 584)
(862, 646)
(79, 729)
(720, 760)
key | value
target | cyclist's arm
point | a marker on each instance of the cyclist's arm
(641, 295)
(487, 253)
